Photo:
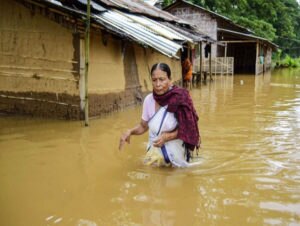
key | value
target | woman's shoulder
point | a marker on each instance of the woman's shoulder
(148, 107)
(149, 98)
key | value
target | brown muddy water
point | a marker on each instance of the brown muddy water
(62, 173)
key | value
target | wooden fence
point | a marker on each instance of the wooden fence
(219, 65)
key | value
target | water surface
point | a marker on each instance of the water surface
(62, 173)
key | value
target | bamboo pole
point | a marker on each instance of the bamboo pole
(87, 53)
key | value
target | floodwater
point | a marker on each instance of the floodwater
(62, 173)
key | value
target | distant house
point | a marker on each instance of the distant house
(42, 55)
(251, 54)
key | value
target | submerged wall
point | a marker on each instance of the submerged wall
(39, 70)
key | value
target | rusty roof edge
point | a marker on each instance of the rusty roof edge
(56, 5)
(156, 12)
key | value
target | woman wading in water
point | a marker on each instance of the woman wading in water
(170, 117)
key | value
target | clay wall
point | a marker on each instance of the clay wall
(38, 70)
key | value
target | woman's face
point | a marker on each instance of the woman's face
(160, 81)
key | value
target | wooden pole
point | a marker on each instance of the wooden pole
(257, 58)
(200, 63)
(226, 61)
(210, 75)
(87, 54)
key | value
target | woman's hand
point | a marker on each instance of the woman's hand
(160, 141)
(139, 129)
(165, 137)
(124, 138)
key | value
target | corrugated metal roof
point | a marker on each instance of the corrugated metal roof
(136, 27)
(140, 33)
(151, 2)
(140, 7)
(160, 28)
(55, 2)
(93, 4)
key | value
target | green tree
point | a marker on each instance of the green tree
(166, 3)
(276, 20)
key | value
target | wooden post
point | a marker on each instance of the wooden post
(200, 63)
(226, 61)
(210, 76)
(257, 58)
(87, 54)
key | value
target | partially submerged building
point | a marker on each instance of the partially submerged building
(43, 54)
(248, 53)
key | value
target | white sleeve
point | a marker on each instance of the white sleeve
(148, 107)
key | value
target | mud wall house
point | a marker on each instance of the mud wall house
(42, 55)
(251, 54)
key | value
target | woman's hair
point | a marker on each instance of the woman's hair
(163, 67)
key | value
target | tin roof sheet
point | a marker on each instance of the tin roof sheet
(140, 33)
(139, 28)
(159, 28)
(140, 7)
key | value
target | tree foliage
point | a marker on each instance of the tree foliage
(276, 20)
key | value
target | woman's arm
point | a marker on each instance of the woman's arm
(165, 137)
(139, 129)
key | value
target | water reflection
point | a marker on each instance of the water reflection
(62, 173)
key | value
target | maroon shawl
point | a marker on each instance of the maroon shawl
(180, 103)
